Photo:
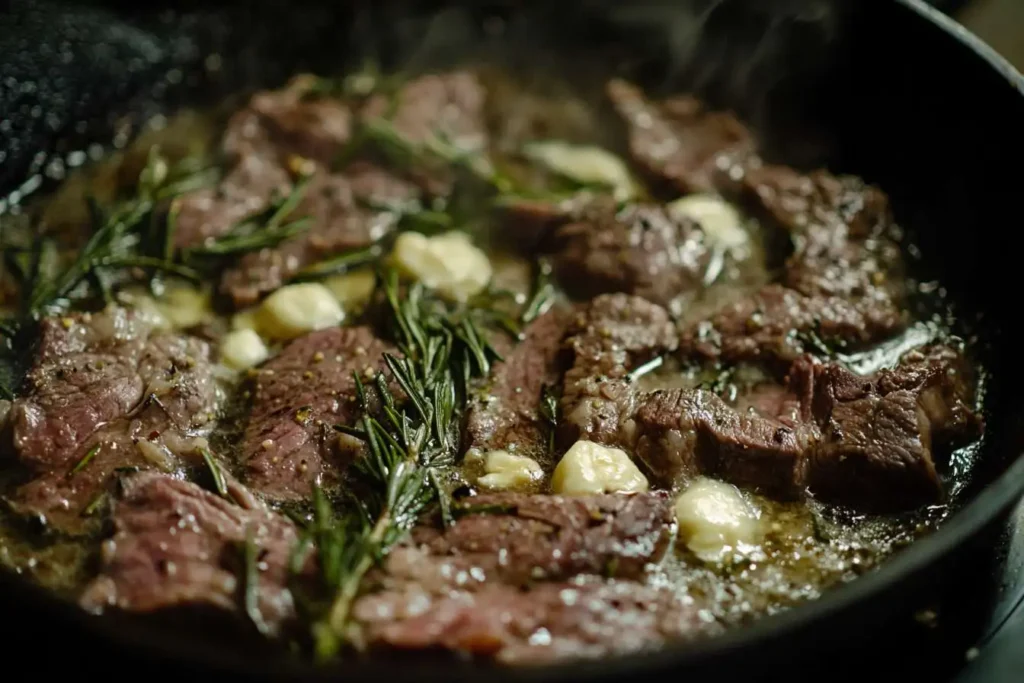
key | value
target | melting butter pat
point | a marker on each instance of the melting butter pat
(720, 221)
(589, 467)
(448, 263)
(297, 309)
(714, 518)
(586, 165)
(506, 471)
(242, 349)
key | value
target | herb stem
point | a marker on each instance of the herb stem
(338, 617)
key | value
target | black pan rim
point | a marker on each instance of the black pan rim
(986, 505)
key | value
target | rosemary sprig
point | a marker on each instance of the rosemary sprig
(408, 444)
(343, 263)
(116, 242)
(434, 150)
(549, 413)
(253, 234)
(84, 461)
(251, 582)
(543, 296)
(219, 482)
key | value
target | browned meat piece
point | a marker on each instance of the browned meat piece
(685, 432)
(444, 107)
(259, 144)
(777, 324)
(554, 537)
(107, 393)
(637, 249)
(797, 201)
(245, 190)
(865, 441)
(552, 622)
(299, 395)
(85, 376)
(290, 121)
(176, 545)
(680, 142)
(840, 285)
(611, 337)
(338, 207)
(882, 435)
(504, 413)
(514, 566)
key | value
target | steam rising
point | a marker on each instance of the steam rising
(762, 58)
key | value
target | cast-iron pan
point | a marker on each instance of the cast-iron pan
(889, 89)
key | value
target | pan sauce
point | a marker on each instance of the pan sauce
(789, 552)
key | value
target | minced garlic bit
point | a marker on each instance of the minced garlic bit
(506, 471)
(297, 309)
(242, 349)
(447, 263)
(589, 467)
(715, 518)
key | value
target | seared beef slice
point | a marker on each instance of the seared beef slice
(839, 286)
(259, 144)
(680, 142)
(610, 337)
(524, 579)
(882, 437)
(338, 208)
(866, 441)
(504, 411)
(637, 249)
(445, 108)
(107, 391)
(298, 397)
(177, 545)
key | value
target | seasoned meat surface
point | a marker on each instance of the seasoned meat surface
(176, 545)
(680, 142)
(883, 437)
(108, 392)
(636, 249)
(611, 337)
(338, 208)
(505, 413)
(298, 397)
(513, 566)
(436, 109)
(840, 286)
(264, 144)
